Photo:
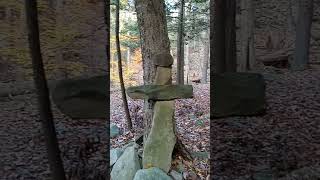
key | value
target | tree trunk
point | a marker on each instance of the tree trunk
(123, 90)
(247, 51)
(303, 31)
(204, 70)
(108, 55)
(154, 37)
(180, 46)
(230, 36)
(218, 35)
(45, 112)
(223, 35)
(187, 59)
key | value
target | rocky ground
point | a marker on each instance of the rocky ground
(278, 145)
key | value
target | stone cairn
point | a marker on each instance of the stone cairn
(161, 140)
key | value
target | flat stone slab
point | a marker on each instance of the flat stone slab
(82, 98)
(160, 92)
(238, 94)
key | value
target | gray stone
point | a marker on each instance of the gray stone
(238, 94)
(160, 92)
(126, 166)
(175, 175)
(163, 60)
(161, 140)
(114, 155)
(114, 131)
(151, 174)
(82, 98)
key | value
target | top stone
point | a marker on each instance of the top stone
(163, 60)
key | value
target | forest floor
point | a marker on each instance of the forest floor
(285, 140)
(23, 153)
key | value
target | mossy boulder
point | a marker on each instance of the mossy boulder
(238, 94)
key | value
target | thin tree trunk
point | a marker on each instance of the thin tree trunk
(187, 59)
(180, 46)
(154, 38)
(303, 32)
(204, 70)
(108, 55)
(45, 112)
(123, 90)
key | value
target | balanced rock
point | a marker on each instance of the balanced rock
(151, 174)
(126, 166)
(163, 60)
(160, 92)
(161, 140)
(239, 94)
(82, 98)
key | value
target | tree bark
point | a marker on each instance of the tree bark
(108, 55)
(45, 112)
(303, 32)
(180, 46)
(223, 35)
(154, 39)
(123, 90)
(247, 50)
(230, 36)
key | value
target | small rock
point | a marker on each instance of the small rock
(175, 175)
(114, 155)
(126, 166)
(114, 131)
(151, 174)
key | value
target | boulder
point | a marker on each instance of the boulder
(151, 174)
(161, 140)
(126, 166)
(114, 155)
(82, 98)
(160, 92)
(114, 131)
(175, 175)
(238, 94)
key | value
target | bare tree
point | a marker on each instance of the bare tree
(123, 90)
(52, 145)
